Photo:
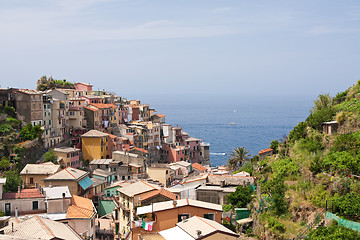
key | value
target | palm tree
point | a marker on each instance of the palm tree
(238, 156)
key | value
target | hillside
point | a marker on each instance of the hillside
(311, 172)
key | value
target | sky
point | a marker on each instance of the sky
(191, 48)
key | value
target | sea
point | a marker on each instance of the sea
(227, 122)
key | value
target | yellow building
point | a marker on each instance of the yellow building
(32, 174)
(164, 175)
(95, 145)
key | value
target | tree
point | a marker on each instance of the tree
(13, 180)
(276, 189)
(241, 197)
(50, 156)
(30, 133)
(238, 156)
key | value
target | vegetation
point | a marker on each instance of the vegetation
(13, 180)
(45, 83)
(50, 156)
(241, 197)
(30, 132)
(238, 157)
(333, 232)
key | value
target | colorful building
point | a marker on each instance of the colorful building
(95, 145)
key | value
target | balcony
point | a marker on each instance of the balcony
(124, 206)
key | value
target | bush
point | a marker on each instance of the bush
(347, 142)
(311, 144)
(227, 208)
(276, 189)
(10, 111)
(285, 167)
(50, 156)
(342, 162)
(275, 146)
(347, 205)
(13, 180)
(30, 133)
(333, 232)
(317, 117)
(5, 128)
(340, 97)
(4, 163)
(247, 167)
(298, 132)
(241, 197)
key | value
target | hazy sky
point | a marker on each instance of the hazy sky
(147, 48)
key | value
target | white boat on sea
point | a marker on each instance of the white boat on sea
(233, 123)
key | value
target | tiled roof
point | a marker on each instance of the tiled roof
(29, 91)
(66, 150)
(102, 161)
(41, 228)
(161, 206)
(160, 115)
(163, 192)
(86, 84)
(41, 169)
(139, 149)
(265, 150)
(206, 227)
(102, 173)
(68, 173)
(80, 208)
(112, 136)
(102, 105)
(199, 167)
(92, 109)
(94, 133)
(138, 188)
(97, 182)
(25, 193)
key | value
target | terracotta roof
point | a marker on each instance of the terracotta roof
(140, 149)
(112, 136)
(266, 150)
(86, 84)
(163, 192)
(25, 193)
(199, 167)
(102, 105)
(160, 115)
(80, 208)
(92, 109)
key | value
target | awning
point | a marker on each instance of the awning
(85, 183)
(245, 220)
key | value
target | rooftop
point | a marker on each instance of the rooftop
(102, 173)
(102, 105)
(229, 180)
(41, 228)
(80, 208)
(199, 167)
(56, 192)
(161, 206)
(101, 161)
(97, 182)
(68, 173)
(265, 150)
(162, 192)
(138, 188)
(25, 193)
(206, 226)
(94, 133)
(66, 150)
(30, 91)
(41, 169)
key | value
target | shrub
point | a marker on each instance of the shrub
(342, 162)
(276, 189)
(317, 117)
(285, 167)
(311, 144)
(241, 197)
(333, 232)
(298, 132)
(5, 128)
(13, 180)
(50, 156)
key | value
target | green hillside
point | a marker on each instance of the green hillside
(310, 171)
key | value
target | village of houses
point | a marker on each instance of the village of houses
(121, 173)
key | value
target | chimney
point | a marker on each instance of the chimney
(63, 202)
(174, 203)
(198, 233)
(18, 196)
(222, 183)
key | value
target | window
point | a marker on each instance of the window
(210, 216)
(183, 216)
(31, 180)
(123, 177)
(114, 169)
(98, 165)
(49, 122)
(107, 166)
(35, 205)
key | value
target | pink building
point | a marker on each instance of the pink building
(193, 149)
(69, 157)
(83, 86)
(173, 153)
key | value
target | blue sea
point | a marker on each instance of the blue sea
(258, 120)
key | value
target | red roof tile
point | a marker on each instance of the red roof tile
(162, 192)
(266, 150)
(160, 115)
(25, 193)
(140, 149)
(199, 167)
